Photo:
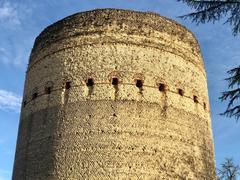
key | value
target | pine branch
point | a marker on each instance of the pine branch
(204, 4)
(206, 15)
(232, 112)
(228, 170)
(233, 94)
(234, 79)
(214, 10)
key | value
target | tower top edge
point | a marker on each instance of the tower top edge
(120, 14)
(130, 22)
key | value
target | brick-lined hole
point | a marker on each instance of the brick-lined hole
(115, 81)
(180, 92)
(34, 95)
(90, 82)
(204, 105)
(48, 90)
(195, 99)
(162, 87)
(139, 83)
(24, 103)
(68, 85)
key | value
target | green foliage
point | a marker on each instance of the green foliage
(228, 171)
(233, 94)
(214, 10)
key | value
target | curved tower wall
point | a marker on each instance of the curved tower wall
(115, 94)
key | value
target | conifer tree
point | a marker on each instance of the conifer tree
(228, 171)
(229, 11)
(233, 94)
(214, 10)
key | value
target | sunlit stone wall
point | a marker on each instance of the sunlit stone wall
(115, 94)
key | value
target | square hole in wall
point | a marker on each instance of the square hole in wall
(139, 83)
(115, 81)
(90, 82)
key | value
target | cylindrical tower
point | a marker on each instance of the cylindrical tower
(115, 94)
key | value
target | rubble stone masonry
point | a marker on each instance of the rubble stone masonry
(115, 94)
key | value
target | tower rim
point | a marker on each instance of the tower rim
(150, 13)
(123, 12)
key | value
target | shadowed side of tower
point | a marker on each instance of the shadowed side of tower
(115, 94)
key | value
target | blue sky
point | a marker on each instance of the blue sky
(22, 20)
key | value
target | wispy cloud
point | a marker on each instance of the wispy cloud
(16, 32)
(17, 57)
(1, 141)
(9, 101)
(2, 50)
(3, 178)
(9, 13)
(4, 174)
(14, 14)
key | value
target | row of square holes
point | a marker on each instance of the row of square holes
(162, 88)
(115, 82)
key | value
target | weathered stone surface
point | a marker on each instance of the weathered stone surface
(76, 124)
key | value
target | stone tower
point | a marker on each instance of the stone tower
(115, 94)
